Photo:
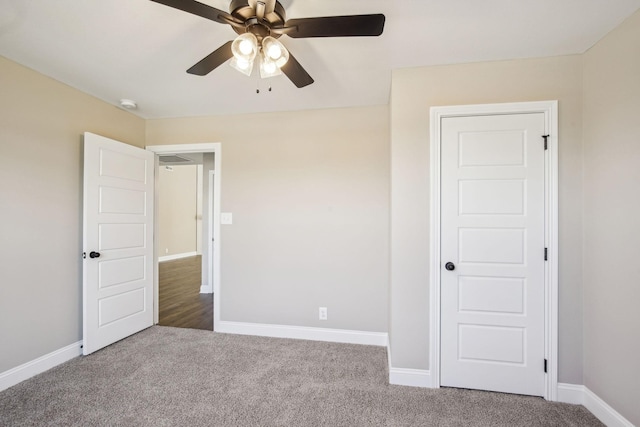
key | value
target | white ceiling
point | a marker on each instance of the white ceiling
(140, 50)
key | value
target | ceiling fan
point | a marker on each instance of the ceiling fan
(259, 24)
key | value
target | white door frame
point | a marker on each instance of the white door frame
(211, 235)
(550, 111)
(214, 219)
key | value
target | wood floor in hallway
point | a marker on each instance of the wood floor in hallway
(181, 303)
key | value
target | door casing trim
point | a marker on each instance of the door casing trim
(212, 147)
(209, 289)
(550, 111)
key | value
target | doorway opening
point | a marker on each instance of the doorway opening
(186, 235)
(185, 298)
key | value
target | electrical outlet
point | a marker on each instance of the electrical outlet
(166, 251)
(322, 313)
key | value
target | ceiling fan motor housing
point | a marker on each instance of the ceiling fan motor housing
(243, 11)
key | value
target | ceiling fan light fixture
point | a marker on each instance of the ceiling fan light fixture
(268, 67)
(255, 20)
(275, 51)
(245, 47)
(243, 65)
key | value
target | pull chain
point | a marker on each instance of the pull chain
(258, 88)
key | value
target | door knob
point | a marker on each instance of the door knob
(94, 254)
(450, 266)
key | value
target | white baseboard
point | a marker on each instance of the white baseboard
(206, 289)
(176, 256)
(603, 411)
(37, 366)
(408, 377)
(303, 332)
(571, 393)
(581, 395)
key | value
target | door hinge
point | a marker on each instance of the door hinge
(545, 254)
(546, 145)
(545, 366)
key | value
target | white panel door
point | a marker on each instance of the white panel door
(117, 241)
(492, 219)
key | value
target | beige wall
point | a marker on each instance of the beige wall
(414, 91)
(309, 193)
(177, 209)
(612, 219)
(41, 127)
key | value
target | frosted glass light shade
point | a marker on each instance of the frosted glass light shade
(245, 47)
(275, 51)
(268, 67)
(242, 65)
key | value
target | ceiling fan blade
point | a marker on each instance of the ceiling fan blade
(296, 73)
(212, 61)
(337, 26)
(200, 9)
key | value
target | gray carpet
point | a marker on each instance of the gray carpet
(180, 377)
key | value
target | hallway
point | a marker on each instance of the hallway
(181, 303)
